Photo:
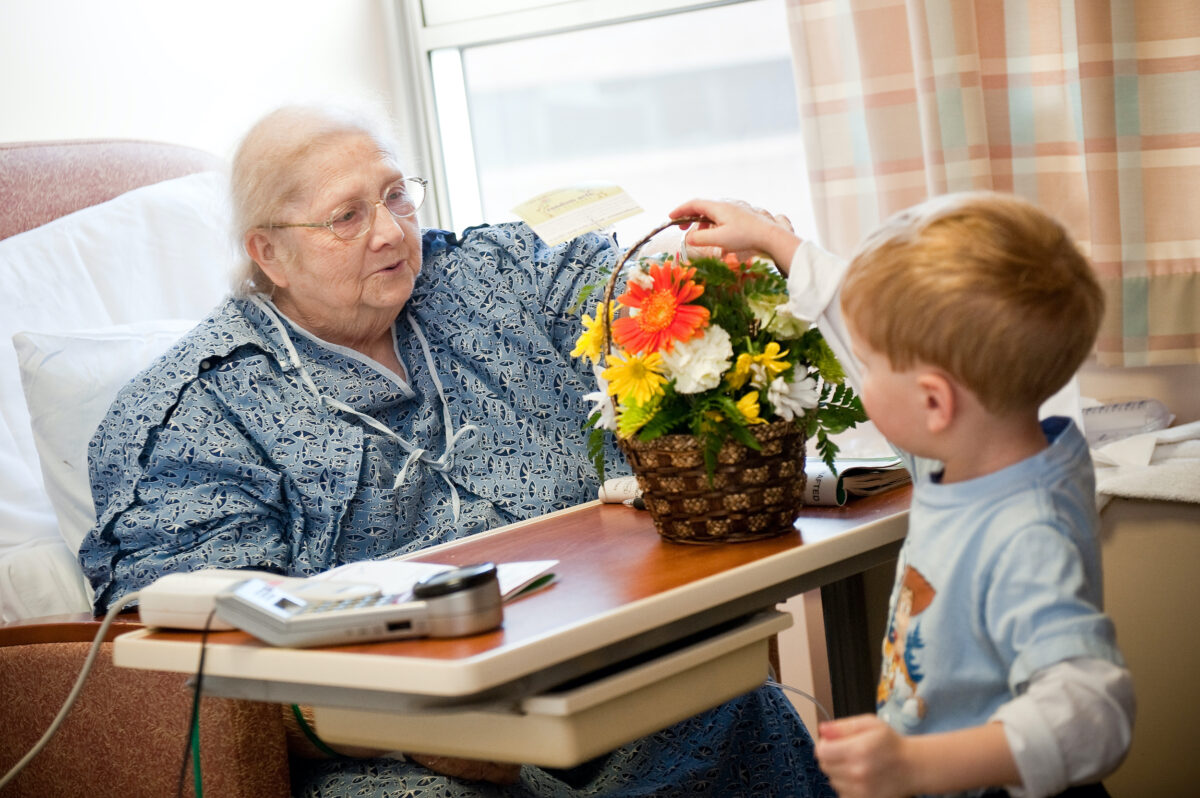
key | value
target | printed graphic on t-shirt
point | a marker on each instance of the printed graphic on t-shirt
(899, 685)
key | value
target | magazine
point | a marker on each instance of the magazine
(856, 477)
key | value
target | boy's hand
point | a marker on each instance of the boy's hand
(863, 757)
(740, 229)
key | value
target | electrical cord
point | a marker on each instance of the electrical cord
(311, 734)
(113, 611)
(191, 747)
(798, 691)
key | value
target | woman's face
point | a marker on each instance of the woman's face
(329, 284)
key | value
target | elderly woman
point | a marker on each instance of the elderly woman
(370, 390)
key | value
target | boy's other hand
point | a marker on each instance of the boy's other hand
(739, 228)
(863, 758)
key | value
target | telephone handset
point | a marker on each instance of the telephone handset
(460, 601)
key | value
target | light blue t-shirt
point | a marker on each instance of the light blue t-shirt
(998, 579)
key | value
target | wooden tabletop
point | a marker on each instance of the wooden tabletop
(616, 578)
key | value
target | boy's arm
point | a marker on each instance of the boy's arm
(814, 275)
(736, 227)
(814, 292)
(864, 757)
(1072, 725)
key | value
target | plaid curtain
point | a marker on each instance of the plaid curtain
(1091, 109)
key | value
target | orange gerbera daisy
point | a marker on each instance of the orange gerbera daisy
(665, 316)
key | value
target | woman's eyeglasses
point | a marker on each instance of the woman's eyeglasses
(355, 218)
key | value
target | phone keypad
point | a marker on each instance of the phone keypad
(357, 603)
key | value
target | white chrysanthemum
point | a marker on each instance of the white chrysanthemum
(773, 308)
(758, 376)
(791, 399)
(640, 278)
(602, 402)
(697, 365)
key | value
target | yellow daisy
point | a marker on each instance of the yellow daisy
(591, 341)
(772, 361)
(762, 368)
(636, 380)
(748, 406)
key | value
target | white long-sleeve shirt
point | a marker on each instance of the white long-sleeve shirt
(1071, 723)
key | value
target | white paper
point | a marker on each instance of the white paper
(566, 213)
(618, 490)
(399, 576)
(1134, 451)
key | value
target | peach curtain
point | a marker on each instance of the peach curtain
(1091, 109)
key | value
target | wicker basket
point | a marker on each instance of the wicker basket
(752, 494)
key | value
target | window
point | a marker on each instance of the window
(683, 104)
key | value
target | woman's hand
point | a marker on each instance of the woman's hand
(740, 228)
(470, 769)
(863, 757)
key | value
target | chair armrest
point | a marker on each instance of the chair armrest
(126, 734)
(73, 628)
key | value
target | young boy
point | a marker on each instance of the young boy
(961, 316)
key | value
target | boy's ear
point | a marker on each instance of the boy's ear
(263, 250)
(938, 400)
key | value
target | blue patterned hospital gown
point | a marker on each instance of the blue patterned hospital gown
(252, 444)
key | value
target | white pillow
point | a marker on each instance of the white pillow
(70, 379)
(161, 251)
(41, 577)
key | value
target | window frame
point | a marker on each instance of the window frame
(418, 28)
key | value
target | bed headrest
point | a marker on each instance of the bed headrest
(49, 179)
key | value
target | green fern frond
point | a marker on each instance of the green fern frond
(671, 417)
(596, 445)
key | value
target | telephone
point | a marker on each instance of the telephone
(299, 613)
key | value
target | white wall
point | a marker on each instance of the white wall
(190, 73)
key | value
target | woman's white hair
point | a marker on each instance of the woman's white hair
(268, 169)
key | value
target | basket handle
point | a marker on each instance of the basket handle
(616, 273)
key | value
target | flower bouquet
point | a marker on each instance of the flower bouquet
(711, 388)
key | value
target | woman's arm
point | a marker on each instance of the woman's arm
(199, 493)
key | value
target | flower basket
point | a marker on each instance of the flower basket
(712, 388)
(752, 495)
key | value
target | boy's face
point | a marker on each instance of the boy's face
(892, 399)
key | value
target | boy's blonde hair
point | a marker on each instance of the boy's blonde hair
(983, 286)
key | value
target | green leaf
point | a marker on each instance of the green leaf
(743, 436)
(827, 450)
(821, 357)
(582, 299)
(712, 445)
(596, 446)
(670, 418)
